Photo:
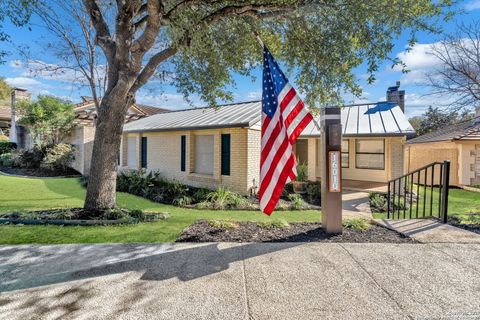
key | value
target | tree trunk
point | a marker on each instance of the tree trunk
(103, 168)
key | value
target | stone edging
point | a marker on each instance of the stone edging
(32, 177)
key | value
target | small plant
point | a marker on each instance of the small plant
(182, 201)
(314, 192)
(204, 205)
(116, 214)
(275, 224)
(66, 214)
(137, 214)
(302, 172)
(222, 224)
(31, 159)
(6, 160)
(83, 180)
(222, 198)
(296, 201)
(378, 202)
(201, 194)
(356, 224)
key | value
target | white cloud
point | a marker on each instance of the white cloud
(23, 82)
(170, 101)
(472, 5)
(254, 95)
(416, 104)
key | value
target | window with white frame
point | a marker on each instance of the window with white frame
(345, 145)
(204, 154)
(370, 154)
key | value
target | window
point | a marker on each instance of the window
(345, 147)
(132, 152)
(183, 150)
(370, 154)
(204, 154)
(225, 154)
(144, 152)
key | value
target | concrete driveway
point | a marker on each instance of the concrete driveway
(241, 281)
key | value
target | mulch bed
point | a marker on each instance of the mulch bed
(202, 231)
(40, 173)
(469, 227)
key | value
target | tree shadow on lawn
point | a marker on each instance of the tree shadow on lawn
(184, 264)
(74, 189)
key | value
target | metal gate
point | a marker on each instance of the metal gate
(421, 193)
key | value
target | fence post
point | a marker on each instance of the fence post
(388, 201)
(446, 186)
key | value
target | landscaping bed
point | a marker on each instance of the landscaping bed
(80, 216)
(39, 172)
(225, 231)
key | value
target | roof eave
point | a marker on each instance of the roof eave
(235, 125)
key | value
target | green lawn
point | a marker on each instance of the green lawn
(17, 194)
(460, 203)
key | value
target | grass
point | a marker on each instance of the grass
(21, 194)
(461, 203)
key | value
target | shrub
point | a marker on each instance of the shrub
(6, 146)
(201, 195)
(378, 202)
(136, 181)
(223, 198)
(222, 224)
(6, 160)
(288, 189)
(314, 192)
(204, 205)
(3, 138)
(58, 157)
(296, 201)
(302, 172)
(31, 158)
(356, 224)
(182, 201)
(137, 214)
(83, 180)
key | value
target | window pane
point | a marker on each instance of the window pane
(370, 146)
(344, 145)
(370, 161)
(204, 154)
(132, 152)
(344, 160)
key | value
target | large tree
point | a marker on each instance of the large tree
(457, 75)
(17, 12)
(201, 43)
(435, 118)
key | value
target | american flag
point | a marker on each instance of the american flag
(283, 119)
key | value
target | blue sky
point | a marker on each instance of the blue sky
(417, 60)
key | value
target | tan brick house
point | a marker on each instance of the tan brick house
(460, 144)
(209, 147)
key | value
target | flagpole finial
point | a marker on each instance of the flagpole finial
(257, 36)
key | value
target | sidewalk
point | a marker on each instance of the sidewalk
(355, 204)
(241, 281)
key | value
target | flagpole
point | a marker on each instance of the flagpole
(257, 36)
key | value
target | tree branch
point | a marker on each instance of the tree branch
(103, 37)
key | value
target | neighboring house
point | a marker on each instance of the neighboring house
(83, 135)
(460, 144)
(209, 147)
(7, 113)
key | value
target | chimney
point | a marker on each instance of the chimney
(397, 96)
(17, 95)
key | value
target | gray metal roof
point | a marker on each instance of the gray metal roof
(355, 120)
(468, 130)
(232, 115)
(368, 120)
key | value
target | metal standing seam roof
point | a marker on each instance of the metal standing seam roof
(232, 115)
(248, 114)
(357, 121)
(468, 130)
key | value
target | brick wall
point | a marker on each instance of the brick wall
(164, 156)
(421, 154)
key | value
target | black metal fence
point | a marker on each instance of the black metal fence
(420, 193)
